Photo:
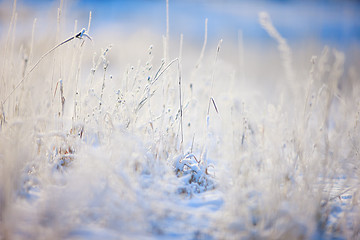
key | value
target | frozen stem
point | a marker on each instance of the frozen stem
(79, 35)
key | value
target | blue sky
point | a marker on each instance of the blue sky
(331, 22)
(328, 21)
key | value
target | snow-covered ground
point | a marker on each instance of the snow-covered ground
(229, 131)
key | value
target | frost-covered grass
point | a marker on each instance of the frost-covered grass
(184, 147)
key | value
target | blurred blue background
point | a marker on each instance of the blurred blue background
(331, 22)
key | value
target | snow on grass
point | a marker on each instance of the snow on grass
(93, 149)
